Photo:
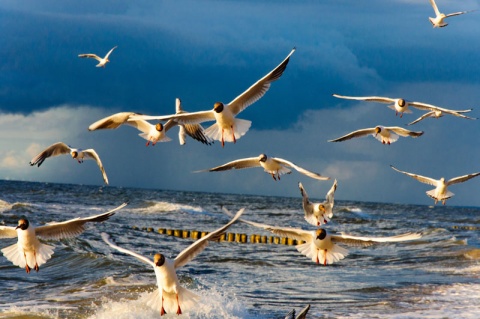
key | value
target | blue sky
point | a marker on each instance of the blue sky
(208, 51)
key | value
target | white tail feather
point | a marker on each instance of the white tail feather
(17, 257)
(240, 128)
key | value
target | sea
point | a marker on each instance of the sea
(436, 276)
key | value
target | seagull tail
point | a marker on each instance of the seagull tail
(240, 128)
(186, 298)
(13, 253)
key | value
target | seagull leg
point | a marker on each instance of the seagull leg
(273, 175)
(148, 142)
(317, 261)
(36, 264)
(162, 310)
(27, 269)
(179, 311)
(233, 135)
(325, 261)
(223, 142)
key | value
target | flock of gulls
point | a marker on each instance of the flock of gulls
(320, 246)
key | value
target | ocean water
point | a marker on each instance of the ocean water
(437, 276)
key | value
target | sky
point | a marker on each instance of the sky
(209, 51)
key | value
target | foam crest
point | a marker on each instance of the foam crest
(160, 207)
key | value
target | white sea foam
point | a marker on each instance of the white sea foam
(159, 207)
(212, 305)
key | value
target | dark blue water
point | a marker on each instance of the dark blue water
(437, 276)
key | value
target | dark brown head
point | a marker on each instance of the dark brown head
(401, 102)
(159, 127)
(321, 208)
(321, 234)
(262, 158)
(378, 129)
(22, 224)
(158, 260)
(74, 154)
(218, 107)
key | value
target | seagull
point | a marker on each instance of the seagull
(29, 252)
(228, 128)
(301, 315)
(153, 133)
(385, 134)
(174, 297)
(400, 105)
(76, 153)
(440, 193)
(318, 213)
(273, 165)
(441, 112)
(438, 21)
(101, 62)
(322, 247)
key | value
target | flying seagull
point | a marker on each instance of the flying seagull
(318, 213)
(170, 294)
(275, 166)
(29, 252)
(399, 105)
(76, 153)
(101, 61)
(153, 133)
(385, 134)
(439, 20)
(322, 247)
(440, 193)
(440, 112)
(228, 128)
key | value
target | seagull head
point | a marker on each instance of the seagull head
(22, 224)
(321, 207)
(218, 107)
(262, 158)
(378, 129)
(321, 234)
(74, 154)
(401, 102)
(159, 127)
(158, 260)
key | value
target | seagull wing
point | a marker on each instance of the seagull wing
(90, 153)
(303, 313)
(424, 116)
(53, 150)
(379, 99)
(112, 121)
(301, 170)
(462, 179)
(237, 164)
(330, 195)
(182, 118)
(435, 8)
(294, 233)
(257, 90)
(7, 232)
(196, 132)
(360, 241)
(457, 13)
(354, 134)
(110, 52)
(106, 238)
(404, 132)
(197, 247)
(72, 227)
(90, 55)
(420, 178)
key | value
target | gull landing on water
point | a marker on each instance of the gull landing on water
(101, 61)
(318, 213)
(440, 193)
(171, 297)
(273, 165)
(228, 128)
(385, 134)
(29, 252)
(439, 20)
(321, 247)
(76, 153)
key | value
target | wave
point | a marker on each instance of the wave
(152, 207)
